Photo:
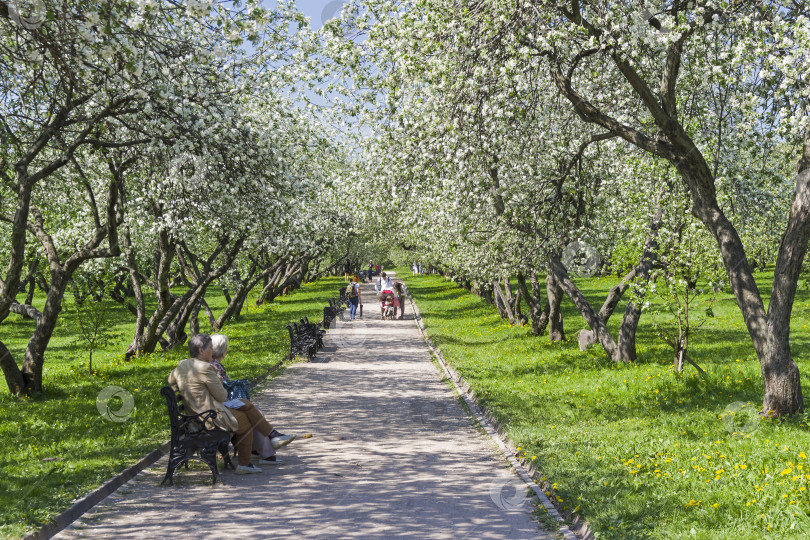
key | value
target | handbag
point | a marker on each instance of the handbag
(237, 389)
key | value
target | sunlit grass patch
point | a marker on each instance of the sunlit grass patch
(637, 449)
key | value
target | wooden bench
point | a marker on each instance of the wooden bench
(192, 439)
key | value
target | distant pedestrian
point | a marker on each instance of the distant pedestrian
(384, 288)
(399, 289)
(353, 294)
(347, 269)
(370, 268)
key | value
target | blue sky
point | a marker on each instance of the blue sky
(318, 9)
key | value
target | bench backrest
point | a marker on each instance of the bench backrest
(173, 404)
(176, 408)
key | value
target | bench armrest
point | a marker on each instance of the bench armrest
(195, 423)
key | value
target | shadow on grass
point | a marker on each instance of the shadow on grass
(64, 422)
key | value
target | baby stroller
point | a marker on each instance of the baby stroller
(387, 306)
(388, 301)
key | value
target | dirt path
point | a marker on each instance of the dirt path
(392, 455)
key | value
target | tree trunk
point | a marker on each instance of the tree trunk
(16, 257)
(513, 301)
(520, 318)
(289, 280)
(61, 274)
(146, 335)
(11, 371)
(209, 314)
(176, 332)
(783, 391)
(38, 343)
(591, 317)
(632, 313)
(30, 281)
(554, 293)
(538, 310)
(189, 302)
(269, 282)
(627, 333)
(42, 284)
(29, 298)
(155, 336)
(501, 302)
(486, 293)
(194, 321)
(139, 309)
(234, 307)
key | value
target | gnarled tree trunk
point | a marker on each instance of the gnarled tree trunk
(538, 309)
(554, 292)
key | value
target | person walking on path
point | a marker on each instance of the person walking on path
(353, 294)
(399, 289)
(347, 270)
(370, 269)
(382, 285)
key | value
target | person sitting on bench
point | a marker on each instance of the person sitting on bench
(197, 381)
(262, 446)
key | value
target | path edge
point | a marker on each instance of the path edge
(527, 472)
(82, 505)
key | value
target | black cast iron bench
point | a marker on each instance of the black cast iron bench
(192, 439)
(301, 343)
(313, 331)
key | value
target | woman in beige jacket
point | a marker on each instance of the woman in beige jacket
(196, 379)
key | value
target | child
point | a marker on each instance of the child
(388, 306)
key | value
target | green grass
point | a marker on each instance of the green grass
(64, 422)
(636, 449)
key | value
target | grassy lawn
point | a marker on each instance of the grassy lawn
(65, 423)
(638, 450)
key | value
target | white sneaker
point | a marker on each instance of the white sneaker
(247, 469)
(282, 440)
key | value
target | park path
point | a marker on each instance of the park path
(392, 455)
